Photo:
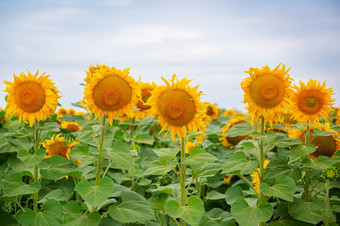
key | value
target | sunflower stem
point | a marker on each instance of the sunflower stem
(36, 167)
(326, 218)
(262, 158)
(182, 175)
(307, 193)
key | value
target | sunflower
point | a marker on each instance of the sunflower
(58, 146)
(178, 107)
(31, 98)
(3, 116)
(61, 112)
(212, 111)
(189, 145)
(200, 138)
(92, 69)
(266, 91)
(312, 101)
(111, 92)
(326, 145)
(232, 141)
(256, 178)
(229, 112)
(337, 122)
(227, 179)
(143, 109)
(73, 126)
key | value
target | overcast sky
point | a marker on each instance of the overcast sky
(212, 42)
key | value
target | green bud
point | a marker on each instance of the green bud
(330, 173)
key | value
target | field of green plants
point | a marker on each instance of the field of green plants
(137, 153)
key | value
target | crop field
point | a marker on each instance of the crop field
(138, 153)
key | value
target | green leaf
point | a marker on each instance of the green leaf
(134, 208)
(208, 169)
(277, 166)
(74, 217)
(59, 167)
(52, 215)
(14, 186)
(286, 142)
(300, 151)
(319, 132)
(243, 129)
(214, 195)
(246, 215)
(29, 159)
(166, 152)
(120, 154)
(158, 201)
(95, 194)
(238, 162)
(336, 159)
(233, 193)
(160, 166)
(199, 156)
(144, 139)
(191, 213)
(284, 188)
(7, 219)
(305, 211)
(81, 152)
(322, 163)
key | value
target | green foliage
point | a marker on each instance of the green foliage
(238, 162)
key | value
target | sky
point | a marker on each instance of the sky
(212, 42)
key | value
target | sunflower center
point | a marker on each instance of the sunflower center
(310, 102)
(210, 111)
(176, 107)
(58, 148)
(326, 146)
(145, 96)
(267, 91)
(30, 96)
(112, 93)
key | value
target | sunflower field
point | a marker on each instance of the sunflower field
(139, 153)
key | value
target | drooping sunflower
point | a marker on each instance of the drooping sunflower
(178, 107)
(326, 145)
(31, 98)
(73, 126)
(311, 101)
(232, 141)
(267, 91)
(256, 178)
(111, 92)
(144, 109)
(57, 145)
(212, 111)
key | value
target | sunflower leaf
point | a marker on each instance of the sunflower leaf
(59, 167)
(74, 217)
(120, 154)
(160, 166)
(238, 162)
(13, 186)
(243, 129)
(305, 211)
(300, 151)
(284, 188)
(31, 159)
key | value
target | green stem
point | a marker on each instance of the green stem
(182, 175)
(250, 184)
(262, 158)
(36, 167)
(326, 219)
(307, 193)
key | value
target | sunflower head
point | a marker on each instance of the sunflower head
(144, 109)
(189, 145)
(312, 101)
(73, 126)
(31, 98)
(92, 69)
(266, 91)
(326, 145)
(232, 141)
(256, 178)
(57, 145)
(227, 179)
(178, 107)
(111, 92)
(212, 111)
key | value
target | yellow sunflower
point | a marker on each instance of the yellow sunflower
(189, 145)
(326, 145)
(227, 179)
(4, 117)
(31, 98)
(178, 107)
(111, 92)
(256, 178)
(212, 111)
(337, 118)
(229, 112)
(232, 141)
(266, 91)
(143, 109)
(312, 101)
(58, 146)
(61, 112)
(200, 138)
(73, 126)
(92, 69)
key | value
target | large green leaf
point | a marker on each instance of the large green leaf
(160, 166)
(144, 139)
(277, 166)
(134, 208)
(81, 152)
(300, 150)
(233, 193)
(240, 130)
(336, 159)
(7, 219)
(95, 194)
(166, 152)
(191, 213)
(59, 167)
(73, 216)
(198, 157)
(238, 162)
(31, 159)
(208, 169)
(305, 211)
(251, 216)
(14, 186)
(284, 188)
(120, 154)
(51, 215)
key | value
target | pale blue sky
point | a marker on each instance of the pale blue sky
(211, 42)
